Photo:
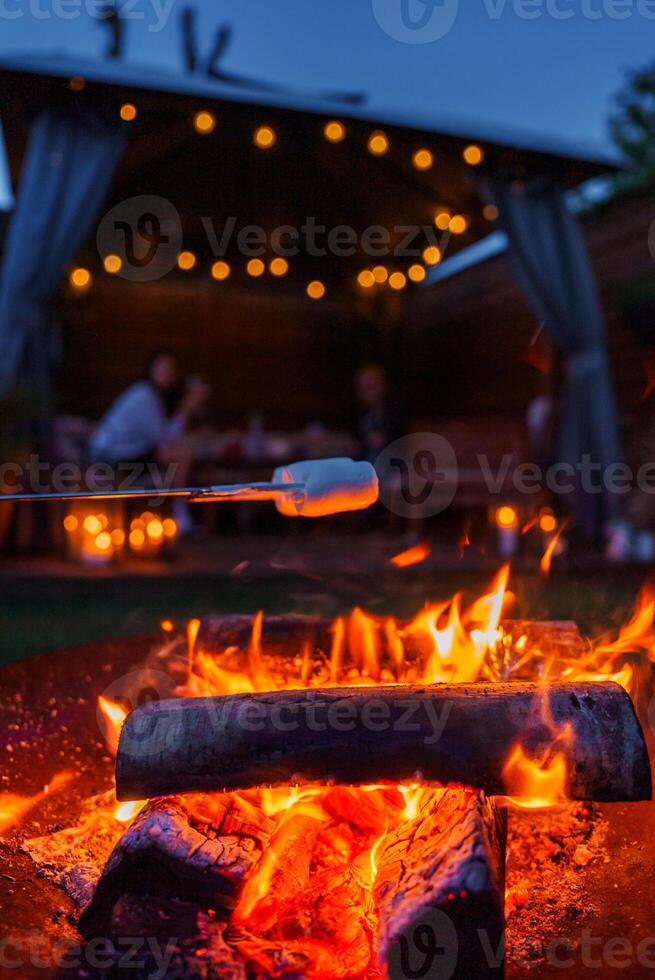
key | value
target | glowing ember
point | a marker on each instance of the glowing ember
(547, 560)
(412, 556)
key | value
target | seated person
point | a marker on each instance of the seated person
(146, 422)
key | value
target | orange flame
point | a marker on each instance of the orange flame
(540, 782)
(14, 807)
(114, 716)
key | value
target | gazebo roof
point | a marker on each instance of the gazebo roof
(303, 177)
(125, 74)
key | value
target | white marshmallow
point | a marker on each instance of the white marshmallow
(332, 486)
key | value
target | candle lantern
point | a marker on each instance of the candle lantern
(95, 531)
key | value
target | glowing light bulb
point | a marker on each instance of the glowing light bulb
(334, 131)
(378, 143)
(220, 270)
(204, 122)
(264, 137)
(473, 155)
(423, 159)
(316, 289)
(128, 112)
(255, 267)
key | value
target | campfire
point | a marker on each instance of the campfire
(333, 799)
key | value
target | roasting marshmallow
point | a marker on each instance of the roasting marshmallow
(331, 486)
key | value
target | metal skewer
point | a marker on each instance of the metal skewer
(227, 492)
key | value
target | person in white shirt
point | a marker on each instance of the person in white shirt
(147, 421)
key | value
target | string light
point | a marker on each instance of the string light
(397, 280)
(279, 266)
(204, 122)
(80, 279)
(490, 212)
(431, 255)
(458, 224)
(186, 261)
(334, 131)
(128, 112)
(473, 155)
(70, 523)
(77, 83)
(113, 264)
(316, 289)
(442, 220)
(255, 267)
(118, 537)
(380, 274)
(220, 270)
(264, 137)
(366, 278)
(416, 273)
(423, 159)
(378, 143)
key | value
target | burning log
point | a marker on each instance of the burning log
(286, 636)
(439, 889)
(449, 733)
(163, 853)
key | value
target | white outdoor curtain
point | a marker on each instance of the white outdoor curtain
(71, 157)
(550, 262)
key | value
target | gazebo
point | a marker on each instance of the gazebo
(275, 236)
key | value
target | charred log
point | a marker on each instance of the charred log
(439, 889)
(163, 854)
(449, 733)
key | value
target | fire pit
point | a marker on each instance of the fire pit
(334, 852)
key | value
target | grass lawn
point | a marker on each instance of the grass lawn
(38, 615)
